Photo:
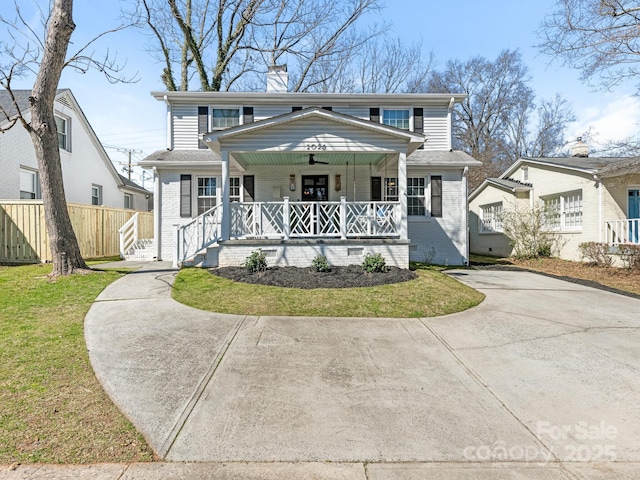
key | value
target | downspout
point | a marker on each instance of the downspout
(465, 209)
(600, 226)
(169, 123)
(157, 217)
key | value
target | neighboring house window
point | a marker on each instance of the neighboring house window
(396, 118)
(28, 184)
(62, 125)
(206, 194)
(564, 211)
(391, 189)
(96, 195)
(491, 218)
(415, 196)
(436, 196)
(234, 189)
(128, 200)
(225, 118)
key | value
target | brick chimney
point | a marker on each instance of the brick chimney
(277, 79)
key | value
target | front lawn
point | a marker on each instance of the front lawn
(52, 408)
(431, 294)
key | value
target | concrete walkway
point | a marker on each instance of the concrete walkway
(541, 380)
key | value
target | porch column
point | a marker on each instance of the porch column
(225, 224)
(402, 195)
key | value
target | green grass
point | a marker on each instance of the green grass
(52, 409)
(431, 294)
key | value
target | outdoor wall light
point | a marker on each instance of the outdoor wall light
(292, 183)
(338, 183)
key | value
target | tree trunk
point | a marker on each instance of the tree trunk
(65, 251)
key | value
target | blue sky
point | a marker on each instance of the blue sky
(125, 115)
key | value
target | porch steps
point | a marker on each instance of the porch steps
(143, 250)
(200, 258)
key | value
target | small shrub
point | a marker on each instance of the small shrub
(256, 262)
(320, 264)
(597, 253)
(630, 256)
(374, 263)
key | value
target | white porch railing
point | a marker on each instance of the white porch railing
(623, 231)
(128, 234)
(289, 220)
(195, 236)
(315, 219)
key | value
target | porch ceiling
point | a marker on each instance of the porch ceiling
(302, 158)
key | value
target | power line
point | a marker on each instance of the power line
(127, 151)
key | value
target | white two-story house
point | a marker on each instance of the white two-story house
(305, 174)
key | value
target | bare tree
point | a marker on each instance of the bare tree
(600, 38)
(46, 57)
(496, 124)
(227, 44)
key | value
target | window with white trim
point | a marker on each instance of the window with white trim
(391, 189)
(128, 200)
(62, 125)
(96, 195)
(224, 118)
(415, 196)
(491, 218)
(397, 118)
(234, 189)
(207, 193)
(564, 211)
(29, 184)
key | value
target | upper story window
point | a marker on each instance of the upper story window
(96, 195)
(64, 138)
(29, 184)
(396, 118)
(225, 117)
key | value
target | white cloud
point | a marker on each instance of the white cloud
(615, 119)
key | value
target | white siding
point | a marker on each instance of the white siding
(263, 112)
(441, 240)
(436, 128)
(185, 127)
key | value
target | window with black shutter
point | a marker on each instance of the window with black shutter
(203, 124)
(436, 196)
(247, 115)
(376, 189)
(296, 109)
(374, 115)
(248, 182)
(418, 122)
(185, 195)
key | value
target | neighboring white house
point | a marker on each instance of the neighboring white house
(302, 174)
(590, 200)
(88, 174)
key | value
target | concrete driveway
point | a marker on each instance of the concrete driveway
(542, 380)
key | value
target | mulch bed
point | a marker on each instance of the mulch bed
(308, 278)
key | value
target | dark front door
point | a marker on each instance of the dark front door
(315, 188)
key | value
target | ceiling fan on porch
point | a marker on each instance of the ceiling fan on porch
(313, 161)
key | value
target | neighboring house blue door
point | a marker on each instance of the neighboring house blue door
(633, 212)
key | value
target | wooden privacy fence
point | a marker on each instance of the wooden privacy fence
(24, 238)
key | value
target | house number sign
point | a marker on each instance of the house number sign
(316, 146)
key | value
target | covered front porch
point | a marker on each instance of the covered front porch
(333, 179)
